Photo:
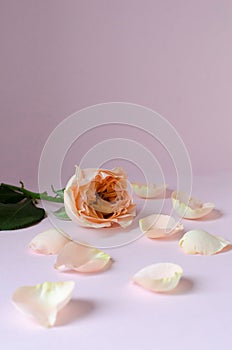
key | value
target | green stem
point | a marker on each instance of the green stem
(33, 195)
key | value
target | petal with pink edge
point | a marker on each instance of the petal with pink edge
(82, 258)
(202, 242)
(49, 242)
(159, 226)
(148, 191)
(190, 208)
(43, 301)
(161, 277)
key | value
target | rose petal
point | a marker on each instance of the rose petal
(44, 300)
(49, 242)
(84, 205)
(202, 242)
(161, 277)
(148, 191)
(82, 258)
(190, 208)
(159, 226)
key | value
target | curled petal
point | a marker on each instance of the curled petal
(82, 258)
(159, 226)
(49, 242)
(44, 300)
(148, 191)
(202, 242)
(190, 208)
(161, 277)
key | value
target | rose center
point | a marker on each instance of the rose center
(108, 196)
(108, 190)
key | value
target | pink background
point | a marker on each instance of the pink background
(60, 56)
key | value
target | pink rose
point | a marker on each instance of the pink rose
(99, 198)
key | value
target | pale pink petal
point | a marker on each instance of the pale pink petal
(202, 242)
(124, 222)
(69, 204)
(190, 208)
(84, 176)
(82, 258)
(120, 172)
(161, 277)
(49, 242)
(126, 219)
(148, 191)
(159, 226)
(73, 214)
(43, 301)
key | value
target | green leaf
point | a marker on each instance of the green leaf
(61, 214)
(9, 196)
(19, 215)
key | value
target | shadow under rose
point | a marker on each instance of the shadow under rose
(76, 309)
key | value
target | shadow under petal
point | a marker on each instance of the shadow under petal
(175, 237)
(168, 193)
(163, 195)
(185, 286)
(213, 215)
(76, 309)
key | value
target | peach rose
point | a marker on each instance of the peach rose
(99, 198)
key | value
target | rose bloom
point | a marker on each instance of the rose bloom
(99, 198)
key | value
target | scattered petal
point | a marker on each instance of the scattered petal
(148, 191)
(159, 226)
(190, 208)
(202, 242)
(44, 300)
(82, 258)
(49, 242)
(161, 277)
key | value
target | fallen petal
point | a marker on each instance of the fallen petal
(148, 191)
(161, 277)
(190, 208)
(44, 300)
(202, 242)
(49, 242)
(82, 258)
(159, 226)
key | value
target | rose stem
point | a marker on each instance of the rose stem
(33, 195)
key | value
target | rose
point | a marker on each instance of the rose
(99, 198)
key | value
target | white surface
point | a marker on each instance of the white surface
(109, 311)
